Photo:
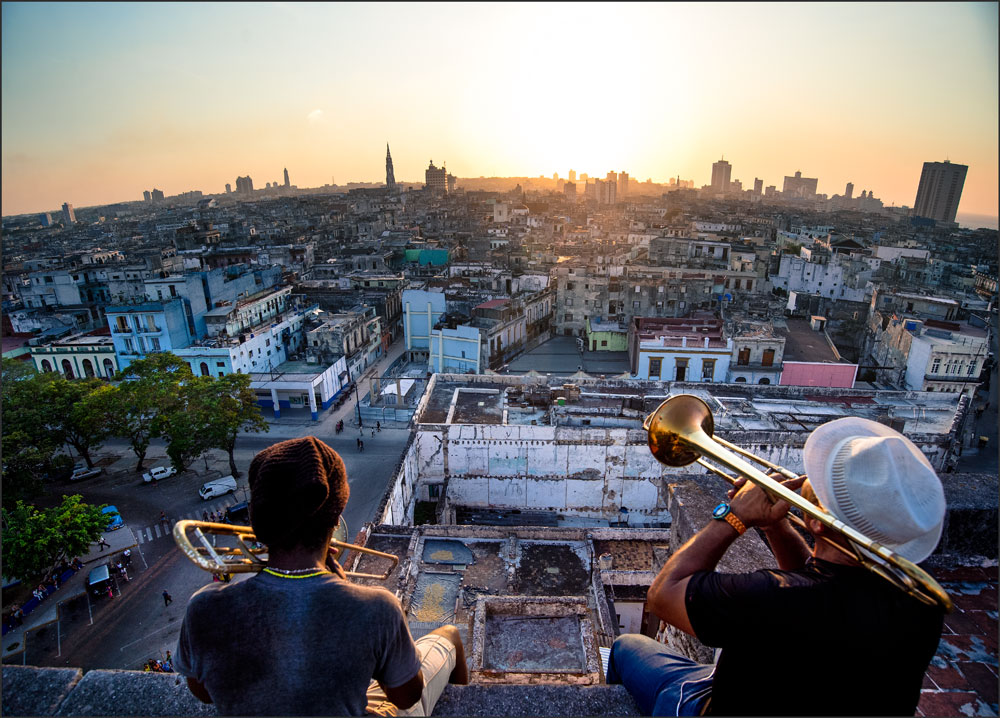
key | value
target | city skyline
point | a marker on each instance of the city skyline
(869, 110)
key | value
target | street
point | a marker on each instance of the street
(135, 626)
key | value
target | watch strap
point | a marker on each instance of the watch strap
(734, 521)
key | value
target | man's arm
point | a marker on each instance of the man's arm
(703, 552)
(406, 695)
(789, 548)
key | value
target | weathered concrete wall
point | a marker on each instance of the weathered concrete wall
(30, 691)
(585, 470)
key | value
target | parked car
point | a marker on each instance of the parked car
(158, 473)
(218, 487)
(82, 472)
(115, 522)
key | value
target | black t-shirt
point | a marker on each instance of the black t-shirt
(826, 639)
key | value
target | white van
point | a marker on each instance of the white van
(217, 487)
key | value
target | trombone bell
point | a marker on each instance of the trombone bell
(676, 418)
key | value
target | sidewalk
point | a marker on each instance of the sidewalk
(48, 610)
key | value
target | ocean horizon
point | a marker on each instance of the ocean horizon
(976, 221)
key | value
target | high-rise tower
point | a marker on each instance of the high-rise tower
(390, 177)
(286, 177)
(940, 190)
(722, 171)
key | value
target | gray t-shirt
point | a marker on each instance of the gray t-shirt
(294, 646)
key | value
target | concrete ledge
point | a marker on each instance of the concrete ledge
(970, 525)
(537, 700)
(131, 693)
(30, 691)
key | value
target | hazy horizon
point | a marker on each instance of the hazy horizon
(102, 101)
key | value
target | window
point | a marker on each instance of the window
(741, 380)
(569, 301)
(743, 358)
(768, 359)
(655, 367)
(707, 369)
(635, 305)
(567, 317)
(765, 380)
(604, 343)
(154, 344)
(935, 366)
(173, 290)
(129, 349)
(972, 368)
(434, 490)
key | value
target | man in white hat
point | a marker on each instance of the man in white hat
(821, 635)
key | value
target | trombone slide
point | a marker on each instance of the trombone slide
(245, 557)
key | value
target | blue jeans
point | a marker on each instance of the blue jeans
(662, 682)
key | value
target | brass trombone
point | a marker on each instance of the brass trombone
(680, 433)
(245, 557)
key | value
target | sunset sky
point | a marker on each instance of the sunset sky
(102, 101)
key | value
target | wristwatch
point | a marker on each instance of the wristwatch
(723, 512)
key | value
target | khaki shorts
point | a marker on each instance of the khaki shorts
(437, 661)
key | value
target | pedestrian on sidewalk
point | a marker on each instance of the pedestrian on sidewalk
(77, 563)
(18, 615)
(167, 598)
(378, 426)
(103, 543)
(204, 515)
(373, 433)
(163, 517)
(361, 446)
(127, 557)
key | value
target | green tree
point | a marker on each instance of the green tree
(148, 393)
(73, 417)
(28, 443)
(186, 424)
(232, 409)
(35, 542)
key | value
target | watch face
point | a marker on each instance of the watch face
(720, 511)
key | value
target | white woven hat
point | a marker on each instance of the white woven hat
(878, 482)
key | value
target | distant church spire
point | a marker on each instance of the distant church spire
(390, 178)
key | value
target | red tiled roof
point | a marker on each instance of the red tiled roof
(493, 304)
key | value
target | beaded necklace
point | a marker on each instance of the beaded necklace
(295, 573)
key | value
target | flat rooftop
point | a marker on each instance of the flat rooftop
(623, 403)
(802, 343)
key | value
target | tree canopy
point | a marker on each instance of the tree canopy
(142, 404)
(36, 541)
